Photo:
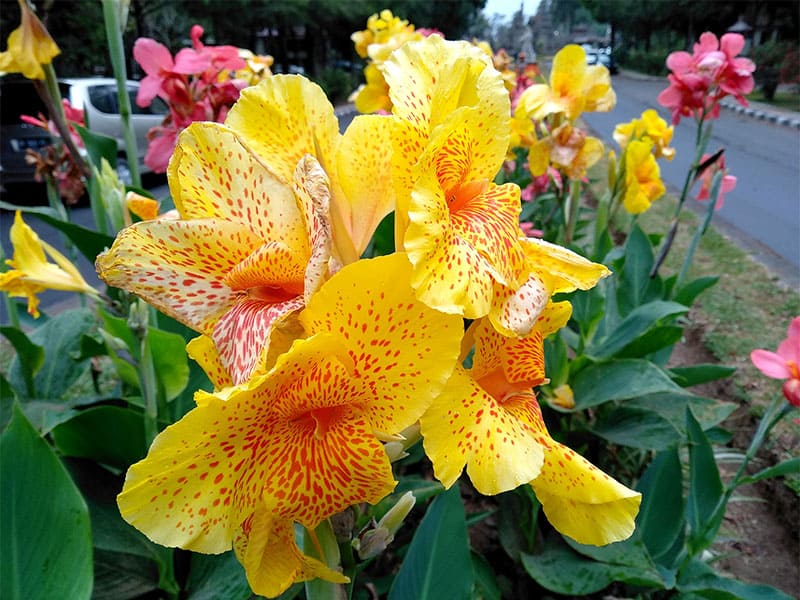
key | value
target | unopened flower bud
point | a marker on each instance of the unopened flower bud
(374, 541)
(563, 397)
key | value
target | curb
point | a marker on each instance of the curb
(789, 120)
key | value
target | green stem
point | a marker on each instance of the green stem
(323, 541)
(51, 96)
(572, 208)
(111, 10)
(11, 306)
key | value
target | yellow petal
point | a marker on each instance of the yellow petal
(366, 178)
(202, 350)
(568, 271)
(266, 547)
(213, 174)
(29, 46)
(515, 311)
(583, 502)
(179, 266)
(143, 207)
(404, 348)
(496, 441)
(284, 118)
(15, 285)
(566, 78)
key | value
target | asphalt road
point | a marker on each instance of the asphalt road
(763, 213)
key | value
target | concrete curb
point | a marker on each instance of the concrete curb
(789, 119)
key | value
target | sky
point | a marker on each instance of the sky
(507, 8)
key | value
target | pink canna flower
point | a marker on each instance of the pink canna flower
(727, 185)
(698, 81)
(157, 62)
(783, 364)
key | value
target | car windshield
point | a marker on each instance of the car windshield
(104, 98)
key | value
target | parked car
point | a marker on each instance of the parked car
(97, 96)
(601, 56)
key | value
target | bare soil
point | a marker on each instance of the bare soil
(759, 541)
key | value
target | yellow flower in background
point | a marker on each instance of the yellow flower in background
(32, 274)
(643, 183)
(574, 88)
(567, 148)
(649, 127)
(29, 46)
(258, 67)
(373, 96)
(303, 441)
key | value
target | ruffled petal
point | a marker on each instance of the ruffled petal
(466, 426)
(266, 547)
(179, 266)
(202, 350)
(214, 174)
(284, 118)
(582, 502)
(567, 270)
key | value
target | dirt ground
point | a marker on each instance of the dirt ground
(758, 541)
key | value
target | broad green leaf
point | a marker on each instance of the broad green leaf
(486, 587)
(787, 467)
(220, 576)
(634, 277)
(170, 361)
(588, 308)
(121, 576)
(627, 553)
(556, 363)
(89, 242)
(619, 380)
(653, 340)
(660, 521)
(563, 571)
(637, 428)
(697, 374)
(61, 338)
(7, 398)
(107, 434)
(689, 292)
(704, 511)
(639, 321)
(29, 355)
(46, 543)
(98, 146)
(517, 517)
(438, 563)
(700, 579)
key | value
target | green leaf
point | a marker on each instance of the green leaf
(588, 308)
(98, 146)
(382, 241)
(61, 339)
(639, 321)
(564, 571)
(689, 292)
(486, 587)
(650, 342)
(220, 576)
(787, 467)
(635, 275)
(619, 380)
(517, 517)
(660, 521)
(438, 563)
(556, 363)
(46, 543)
(637, 428)
(697, 374)
(700, 579)
(704, 510)
(89, 242)
(30, 357)
(170, 361)
(107, 434)
(627, 553)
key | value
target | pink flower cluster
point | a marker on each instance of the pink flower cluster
(193, 84)
(698, 81)
(783, 364)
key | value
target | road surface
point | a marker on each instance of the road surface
(763, 212)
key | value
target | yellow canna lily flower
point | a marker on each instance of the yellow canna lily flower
(574, 88)
(29, 46)
(649, 127)
(643, 183)
(567, 148)
(32, 274)
(459, 229)
(488, 420)
(303, 441)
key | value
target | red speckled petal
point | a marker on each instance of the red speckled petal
(521, 360)
(496, 441)
(271, 271)
(514, 312)
(284, 118)
(366, 178)
(405, 349)
(583, 502)
(202, 350)
(312, 188)
(214, 174)
(241, 334)
(268, 552)
(179, 266)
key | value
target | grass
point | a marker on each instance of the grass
(783, 99)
